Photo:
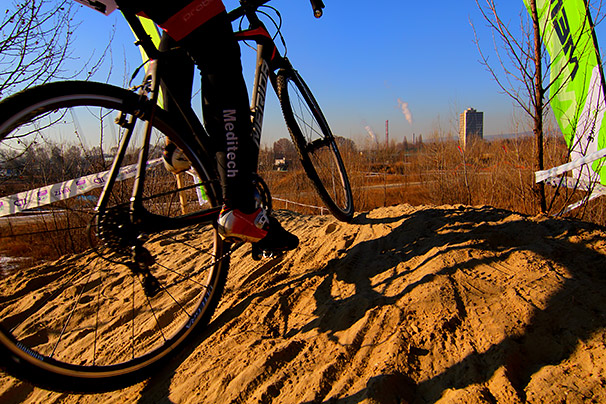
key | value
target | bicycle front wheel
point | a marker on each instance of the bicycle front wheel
(315, 144)
(77, 312)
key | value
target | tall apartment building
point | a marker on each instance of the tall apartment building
(471, 124)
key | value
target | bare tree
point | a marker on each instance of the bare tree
(538, 102)
(34, 42)
(519, 71)
(285, 148)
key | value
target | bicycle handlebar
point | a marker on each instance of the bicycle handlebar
(317, 6)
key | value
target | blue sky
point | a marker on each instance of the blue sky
(362, 57)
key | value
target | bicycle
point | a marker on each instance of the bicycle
(117, 285)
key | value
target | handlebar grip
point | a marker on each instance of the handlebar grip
(317, 5)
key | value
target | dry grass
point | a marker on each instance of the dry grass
(498, 173)
(66, 227)
(44, 237)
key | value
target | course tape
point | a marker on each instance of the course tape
(322, 209)
(48, 194)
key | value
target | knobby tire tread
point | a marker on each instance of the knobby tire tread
(284, 75)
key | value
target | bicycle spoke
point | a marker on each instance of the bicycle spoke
(71, 313)
(97, 321)
(132, 324)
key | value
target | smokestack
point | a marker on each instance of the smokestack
(387, 133)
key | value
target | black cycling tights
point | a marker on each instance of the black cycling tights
(225, 103)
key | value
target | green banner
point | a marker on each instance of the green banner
(577, 84)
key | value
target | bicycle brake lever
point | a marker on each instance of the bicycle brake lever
(317, 6)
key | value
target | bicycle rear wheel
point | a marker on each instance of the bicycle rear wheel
(76, 312)
(315, 144)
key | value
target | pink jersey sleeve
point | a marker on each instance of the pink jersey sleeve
(191, 17)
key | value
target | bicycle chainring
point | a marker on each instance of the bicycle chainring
(116, 232)
(262, 194)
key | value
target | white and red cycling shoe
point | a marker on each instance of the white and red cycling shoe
(259, 228)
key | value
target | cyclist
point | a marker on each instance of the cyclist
(203, 29)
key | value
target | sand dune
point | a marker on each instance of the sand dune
(404, 305)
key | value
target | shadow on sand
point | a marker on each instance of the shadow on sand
(548, 338)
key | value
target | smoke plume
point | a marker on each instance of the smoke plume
(404, 107)
(370, 131)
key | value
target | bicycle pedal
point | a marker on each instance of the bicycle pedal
(259, 254)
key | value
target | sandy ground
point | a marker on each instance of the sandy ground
(405, 305)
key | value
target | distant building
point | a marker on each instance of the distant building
(471, 125)
(281, 164)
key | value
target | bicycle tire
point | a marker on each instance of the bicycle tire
(316, 146)
(79, 319)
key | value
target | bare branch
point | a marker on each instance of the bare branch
(34, 42)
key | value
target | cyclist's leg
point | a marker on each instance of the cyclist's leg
(211, 43)
(208, 38)
(226, 108)
(180, 69)
(227, 118)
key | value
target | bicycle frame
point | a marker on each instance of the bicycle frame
(268, 62)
